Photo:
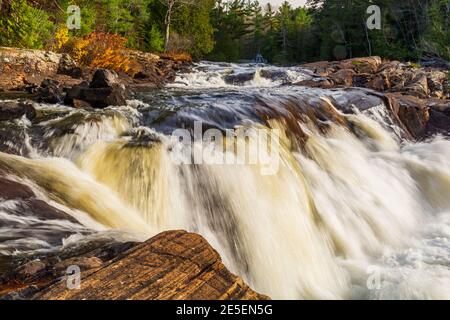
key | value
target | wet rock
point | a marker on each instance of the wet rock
(27, 203)
(141, 76)
(10, 110)
(412, 112)
(80, 104)
(10, 190)
(239, 78)
(316, 83)
(174, 265)
(50, 91)
(67, 66)
(104, 90)
(439, 122)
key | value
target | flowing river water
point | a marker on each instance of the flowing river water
(350, 208)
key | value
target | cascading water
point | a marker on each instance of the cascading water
(352, 211)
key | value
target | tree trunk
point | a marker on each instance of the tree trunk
(167, 22)
(167, 37)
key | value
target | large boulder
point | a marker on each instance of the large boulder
(104, 78)
(239, 78)
(412, 112)
(174, 265)
(104, 90)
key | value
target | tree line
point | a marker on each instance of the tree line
(234, 30)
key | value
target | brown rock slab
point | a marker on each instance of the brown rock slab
(174, 265)
(412, 112)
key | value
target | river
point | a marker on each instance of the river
(327, 200)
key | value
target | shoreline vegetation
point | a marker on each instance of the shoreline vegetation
(96, 32)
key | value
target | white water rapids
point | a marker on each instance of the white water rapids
(354, 213)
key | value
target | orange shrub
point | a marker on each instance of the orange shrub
(102, 50)
(177, 56)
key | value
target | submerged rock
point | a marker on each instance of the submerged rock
(10, 110)
(174, 265)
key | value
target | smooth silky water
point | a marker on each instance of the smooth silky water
(353, 211)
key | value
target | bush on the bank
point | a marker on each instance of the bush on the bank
(101, 50)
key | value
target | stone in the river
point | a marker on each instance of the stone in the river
(239, 78)
(50, 91)
(174, 265)
(104, 78)
(105, 90)
(10, 110)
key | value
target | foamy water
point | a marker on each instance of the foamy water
(352, 212)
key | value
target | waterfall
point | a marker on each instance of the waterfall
(349, 197)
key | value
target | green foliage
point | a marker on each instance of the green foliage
(25, 26)
(437, 35)
(155, 40)
(233, 30)
(192, 23)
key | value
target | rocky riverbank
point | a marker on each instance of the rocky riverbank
(174, 265)
(418, 96)
(29, 71)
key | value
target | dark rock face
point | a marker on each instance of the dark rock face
(28, 203)
(412, 112)
(239, 78)
(439, 122)
(10, 110)
(174, 265)
(104, 90)
(50, 91)
(104, 78)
